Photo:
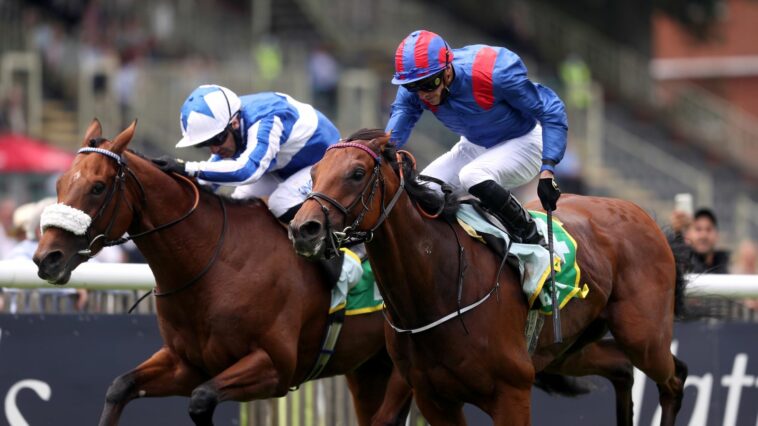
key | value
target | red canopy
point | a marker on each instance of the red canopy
(20, 153)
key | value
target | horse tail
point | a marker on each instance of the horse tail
(555, 384)
(683, 260)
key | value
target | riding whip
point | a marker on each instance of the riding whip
(553, 291)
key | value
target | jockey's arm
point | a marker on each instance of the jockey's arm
(512, 85)
(259, 155)
(406, 110)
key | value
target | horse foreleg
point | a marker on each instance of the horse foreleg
(604, 358)
(512, 407)
(252, 377)
(397, 402)
(442, 413)
(163, 374)
(380, 395)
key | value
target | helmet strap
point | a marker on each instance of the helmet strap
(445, 88)
(237, 135)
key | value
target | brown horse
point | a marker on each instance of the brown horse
(429, 271)
(243, 316)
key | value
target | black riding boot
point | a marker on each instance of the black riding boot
(333, 268)
(501, 202)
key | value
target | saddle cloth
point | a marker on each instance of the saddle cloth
(533, 260)
(363, 298)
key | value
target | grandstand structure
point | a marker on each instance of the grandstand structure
(642, 140)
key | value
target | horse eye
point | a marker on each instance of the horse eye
(98, 188)
(358, 174)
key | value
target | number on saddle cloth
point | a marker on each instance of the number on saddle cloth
(533, 260)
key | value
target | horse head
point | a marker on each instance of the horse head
(348, 198)
(87, 213)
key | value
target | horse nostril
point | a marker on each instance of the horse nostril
(310, 229)
(52, 259)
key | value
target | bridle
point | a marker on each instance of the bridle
(119, 186)
(352, 234)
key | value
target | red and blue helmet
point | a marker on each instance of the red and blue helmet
(421, 54)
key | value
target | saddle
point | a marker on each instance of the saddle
(533, 260)
(494, 242)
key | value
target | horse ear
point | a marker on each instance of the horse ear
(383, 141)
(123, 139)
(94, 131)
(378, 144)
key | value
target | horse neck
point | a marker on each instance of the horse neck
(409, 254)
(179, 252)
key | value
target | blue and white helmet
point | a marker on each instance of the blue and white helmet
(206, 113)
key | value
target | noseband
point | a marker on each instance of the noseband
(351, 234)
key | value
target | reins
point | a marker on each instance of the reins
(212, 260)
(119, 186)
(351, 234)
(123, 240)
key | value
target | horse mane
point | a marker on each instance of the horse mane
(205, 189)
(429, 199)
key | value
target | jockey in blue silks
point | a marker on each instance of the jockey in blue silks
(511, 128)
(264, 144)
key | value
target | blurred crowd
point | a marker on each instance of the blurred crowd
(71, 36)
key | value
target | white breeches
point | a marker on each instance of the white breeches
(283, 194)
(511, 163)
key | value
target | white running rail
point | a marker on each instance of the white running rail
(131, 276)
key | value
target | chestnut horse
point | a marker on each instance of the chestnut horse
(435, 280)
(242, 317)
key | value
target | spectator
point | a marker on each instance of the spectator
(268, 57)
(746, 258)
(746, 262)
(699, 233)
(577, 82)
(570, 173)
(7, 206)
(13, 110)
(17, 247)
(125, 84)
(324, 72)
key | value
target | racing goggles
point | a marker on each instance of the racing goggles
(217, 140)
(428, 84)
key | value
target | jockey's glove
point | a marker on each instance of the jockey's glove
(169, 164)
(548, 191)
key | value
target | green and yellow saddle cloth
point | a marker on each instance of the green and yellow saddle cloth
(363, 298)
(533, 260)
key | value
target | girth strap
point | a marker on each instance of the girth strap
(333, 329)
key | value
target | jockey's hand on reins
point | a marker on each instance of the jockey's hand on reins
(169, 164)
(548, 191)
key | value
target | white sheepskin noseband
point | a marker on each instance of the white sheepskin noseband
(65, 217)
